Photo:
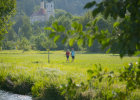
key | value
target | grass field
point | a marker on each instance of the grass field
(34, 65)
(58, 60)
(83, 62)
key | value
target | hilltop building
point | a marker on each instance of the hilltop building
(46, 10)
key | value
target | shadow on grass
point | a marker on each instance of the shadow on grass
(42, 53)
(93, 53)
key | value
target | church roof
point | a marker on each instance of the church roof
(41, 12)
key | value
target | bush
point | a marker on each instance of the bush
(38, 88)
(16, 84)
(24, 87)
(51, 92)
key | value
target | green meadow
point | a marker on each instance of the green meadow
(31, 69)
(31, 61)
(83, 61)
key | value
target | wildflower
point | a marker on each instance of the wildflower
(78, 85)
(60, 86)
(137, 63)
(66, 85)
(129, 64)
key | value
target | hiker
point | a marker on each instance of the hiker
(67, 55)
(73, 54)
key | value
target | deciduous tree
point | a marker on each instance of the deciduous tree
(126, 37)
(7, 9)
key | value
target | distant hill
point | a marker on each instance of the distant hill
(71, 6)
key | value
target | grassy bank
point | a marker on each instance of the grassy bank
(30, 73)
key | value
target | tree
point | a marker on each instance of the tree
(26, 30)
(8, 45)
(84, 20)
(56, 31)
(48, 43)
(7, 9)
(126, 39)
(24, 44)
(22, 26)
(26, 6)
(72, 6)
(11, 35)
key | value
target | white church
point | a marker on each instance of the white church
(45, 12)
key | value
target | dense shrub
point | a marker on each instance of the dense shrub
(101, 85)
(52, 92)
(16, 85)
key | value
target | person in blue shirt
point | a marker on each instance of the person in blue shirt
(73, 54)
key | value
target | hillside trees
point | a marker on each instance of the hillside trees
(33, 32)
(11, 35)
(43, 43)
(7, 9)
(72, 6)
(26, 6)
(81, 28)
(26, 30)
(123, 37)
(24, 44)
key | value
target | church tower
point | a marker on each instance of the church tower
(42, 4)
(50, 8)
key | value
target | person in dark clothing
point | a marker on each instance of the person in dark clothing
(67, 55)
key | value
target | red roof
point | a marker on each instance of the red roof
(41, 12)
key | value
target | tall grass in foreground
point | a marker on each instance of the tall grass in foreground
(29, 73)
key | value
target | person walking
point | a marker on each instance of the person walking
(73, 54)
(67, 55)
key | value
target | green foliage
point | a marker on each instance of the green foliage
(16, 83)
(23, 27)
(56, 31)
(101, 81)
(31, 75)
(73, 6)
(7, 9)
(89, 5)
(73, 91)
(48, 43)
(37, 89)
(24, 87)
(130, 74)
(42, 42)
(76, 29)
(9, 45)
(83, 32)
(26, 7)
(24, 44)
(127, 36)
(52, 92)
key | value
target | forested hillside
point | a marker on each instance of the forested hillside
(71, 6)
(26, 36)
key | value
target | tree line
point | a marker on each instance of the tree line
(71, 6)
(104, 32)
(26, 36)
